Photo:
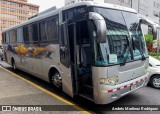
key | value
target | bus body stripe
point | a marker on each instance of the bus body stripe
(120, 88)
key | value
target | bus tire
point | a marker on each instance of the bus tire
(14, 65)
(56, 79)
(155, 81)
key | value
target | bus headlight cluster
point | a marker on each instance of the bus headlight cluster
(109, 81)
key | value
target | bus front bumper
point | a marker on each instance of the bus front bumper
(108, 94)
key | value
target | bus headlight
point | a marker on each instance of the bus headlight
(109, 81)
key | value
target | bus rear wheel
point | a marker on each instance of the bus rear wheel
(56, 80)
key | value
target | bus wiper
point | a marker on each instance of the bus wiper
(125, 59)
(141, 52)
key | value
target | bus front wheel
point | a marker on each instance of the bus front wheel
(56, 80)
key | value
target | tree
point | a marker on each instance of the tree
(148, 38)
(149, 42)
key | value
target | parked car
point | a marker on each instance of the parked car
(154, 72)
(1, 54)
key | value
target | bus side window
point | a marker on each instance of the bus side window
(52, 29)
(42, 31)
(20, 37)
(13, 36)
(25, 33)
(30, 32)
(33, 32)
(4, 38)
(7, 37)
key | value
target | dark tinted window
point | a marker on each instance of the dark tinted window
(20, 37)
(25, 34)
(4, 37)
(35, 32)
(43, 27)
(52, 29)
(13, 36)
(7, 37)
(30, 33)
(74, 14)
(82, 32)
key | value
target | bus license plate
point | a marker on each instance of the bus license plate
(134, 86)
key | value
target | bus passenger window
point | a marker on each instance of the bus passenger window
(4, 37)
(52, 29)
(20, 37)
(7, 37)
(13, 35)
(25, 33)
(43, 34)
(35, 32)
(30, 30)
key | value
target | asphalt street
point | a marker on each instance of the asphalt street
(144, 96)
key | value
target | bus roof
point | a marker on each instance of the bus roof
(69, 6)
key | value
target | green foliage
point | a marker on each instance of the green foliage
(148, 38)
(152, 53)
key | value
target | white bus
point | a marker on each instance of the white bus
(92, 50)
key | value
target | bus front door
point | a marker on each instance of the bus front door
(80, 58)
(67, 84)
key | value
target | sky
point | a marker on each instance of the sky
(45, 4)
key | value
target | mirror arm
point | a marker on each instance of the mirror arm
(152, 24)
(101, 26)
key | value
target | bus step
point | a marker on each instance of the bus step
(87, 96)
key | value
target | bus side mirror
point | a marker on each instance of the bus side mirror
(100, 26)
(152, 25)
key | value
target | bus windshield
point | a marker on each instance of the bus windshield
(123, 31)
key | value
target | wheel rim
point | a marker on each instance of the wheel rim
(156, 82)
(57, 80)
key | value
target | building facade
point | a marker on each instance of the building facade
(14, 12)
(147, 8)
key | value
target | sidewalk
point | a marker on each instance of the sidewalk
(14, 91)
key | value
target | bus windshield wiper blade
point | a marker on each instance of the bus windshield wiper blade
(125, 59)
(141, 52)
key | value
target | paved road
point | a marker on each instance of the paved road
(143, 96)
